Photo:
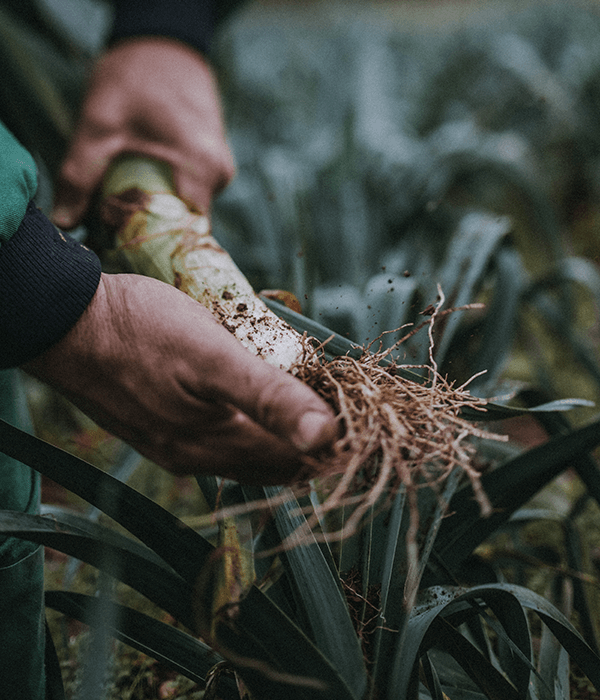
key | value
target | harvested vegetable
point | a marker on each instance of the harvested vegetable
(398, 432)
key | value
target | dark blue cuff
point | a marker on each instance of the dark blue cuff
(190, 21)
(47, 280)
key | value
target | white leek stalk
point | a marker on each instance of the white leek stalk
(166, 240)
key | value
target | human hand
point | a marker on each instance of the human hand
(155, 97)
(153, 367)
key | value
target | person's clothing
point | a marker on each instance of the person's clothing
(47, 278)
(36, 263)
(21, 568)
(17, 185)
(189, 21)
(22, 627)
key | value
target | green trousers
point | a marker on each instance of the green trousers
(21, 569)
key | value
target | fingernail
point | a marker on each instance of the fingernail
(310, 430)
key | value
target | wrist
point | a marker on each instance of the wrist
(47, 281)
(79, 348)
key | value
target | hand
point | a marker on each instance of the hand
(153, 367)
(155, 97)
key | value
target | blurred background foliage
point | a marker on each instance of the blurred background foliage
(385, 147)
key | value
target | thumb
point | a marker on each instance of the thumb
(296, 414)
(70, 205)
(280, 403)
(314, 431)
(199, 183)
(79, 177)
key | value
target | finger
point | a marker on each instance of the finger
(275, 400)
(80, 175)
(246, 453)
(231, 374)
(293, 411)
(198, 182)
(228, 444)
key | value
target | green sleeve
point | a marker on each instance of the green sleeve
(18, 183)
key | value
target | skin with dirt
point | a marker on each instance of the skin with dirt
(157, 235)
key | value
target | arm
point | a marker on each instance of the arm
(142, 358)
